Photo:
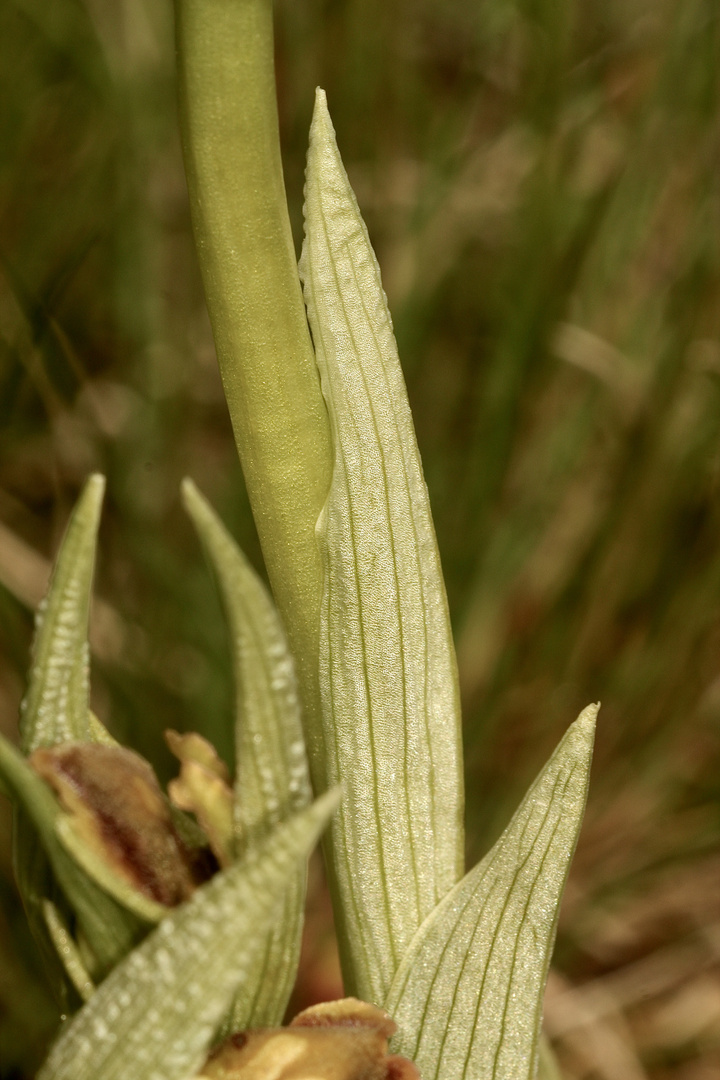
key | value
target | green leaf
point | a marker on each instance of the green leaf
(387, 665)
(98, 732)
(155, 1015)
(271, 777)
(109, 930)
(467, 997)
(66, 948)
(56, 710)
(56, 706)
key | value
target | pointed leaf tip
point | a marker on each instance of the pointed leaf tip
(271, 777)
(581, 733)
(388, 677)
(56, 706)
(321, 115)
(467, 997)
(56, 710)
(96, 483)
(154, 1016)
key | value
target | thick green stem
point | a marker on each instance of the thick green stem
(247, 259)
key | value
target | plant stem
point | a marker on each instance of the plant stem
(231, 145)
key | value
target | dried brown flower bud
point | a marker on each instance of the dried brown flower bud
(116, 806)
(338, 1040)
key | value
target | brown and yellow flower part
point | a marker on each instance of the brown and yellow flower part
(337, 1040)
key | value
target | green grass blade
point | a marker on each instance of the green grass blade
(271, 778)
(387, 664)
(154, 1017)
(56, 706)
(467, 997)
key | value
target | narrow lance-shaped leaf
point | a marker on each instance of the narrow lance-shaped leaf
(56, 710)
(387, 664)
(66, 947)
(155, 1015)
(271, 776)
(56, 706)
(467, 997)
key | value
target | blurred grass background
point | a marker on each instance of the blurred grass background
(541, 181)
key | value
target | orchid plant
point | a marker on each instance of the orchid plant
(171, 923)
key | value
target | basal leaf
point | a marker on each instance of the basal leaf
(56, 706)
(155, 1015)
(271, 776)
(387, 664)
(467, 997)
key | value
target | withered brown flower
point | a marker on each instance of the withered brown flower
(116, 806)
(337, 1040)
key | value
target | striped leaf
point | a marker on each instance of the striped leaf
(56, 710)
(156, 1014)
(387, 664)
(271, 777)
(56, 707)
(467, 997)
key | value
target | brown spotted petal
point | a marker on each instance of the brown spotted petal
(115, 805)
(338, 1040)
